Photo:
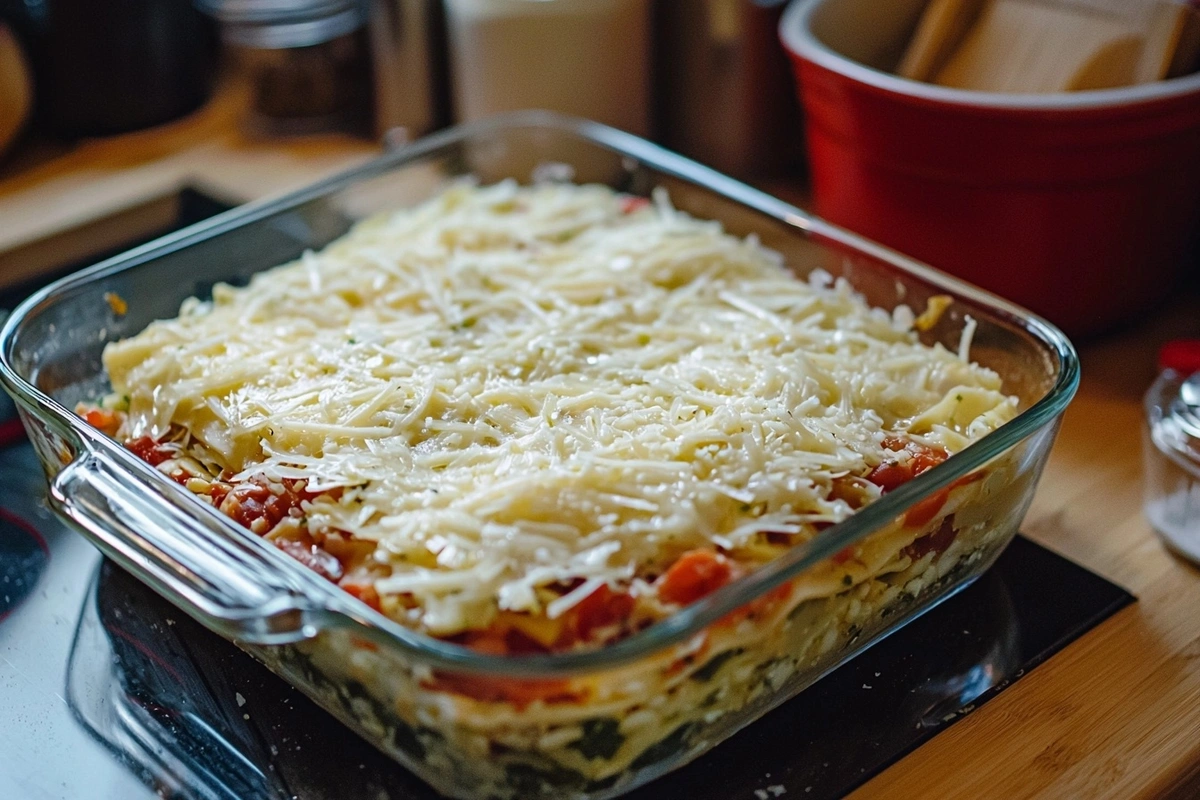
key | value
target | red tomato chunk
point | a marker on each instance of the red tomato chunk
(149, 450)
(697, 573)
(600, 609)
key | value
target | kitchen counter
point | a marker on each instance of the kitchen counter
(46, 189)
(1116, 714)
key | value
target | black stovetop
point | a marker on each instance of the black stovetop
(107, 692)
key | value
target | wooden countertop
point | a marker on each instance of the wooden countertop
(45, 189)
(1115, 715)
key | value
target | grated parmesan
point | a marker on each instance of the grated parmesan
(523, 388)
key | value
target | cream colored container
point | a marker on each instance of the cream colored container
(590, 58)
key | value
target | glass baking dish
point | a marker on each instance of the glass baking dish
(572, 725)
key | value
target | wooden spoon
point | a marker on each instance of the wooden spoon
(939, 33)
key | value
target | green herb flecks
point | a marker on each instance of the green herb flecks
(673, 744)
(550, 780)
(714, 664)
(602, 738)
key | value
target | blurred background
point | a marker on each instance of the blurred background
(1048, 150)
(708, 77)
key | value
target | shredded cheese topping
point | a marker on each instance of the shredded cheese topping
(527, 393)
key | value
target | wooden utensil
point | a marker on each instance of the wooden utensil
(1187, 49)
(1050, 45)
(940, 31)
(1164, 30)
(1032, 46)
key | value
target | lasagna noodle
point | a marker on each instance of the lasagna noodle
(524, 393)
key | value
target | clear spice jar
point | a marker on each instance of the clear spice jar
(308, 62)
(1172, 448)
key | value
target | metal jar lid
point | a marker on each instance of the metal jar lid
(282, 24)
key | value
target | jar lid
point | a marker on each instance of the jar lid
(282, 24)
(273, 11)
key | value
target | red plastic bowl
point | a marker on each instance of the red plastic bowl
(1083, 207)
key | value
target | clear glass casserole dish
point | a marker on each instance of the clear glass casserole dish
(577, 724)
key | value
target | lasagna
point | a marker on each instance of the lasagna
(542, 419)
(550, 415)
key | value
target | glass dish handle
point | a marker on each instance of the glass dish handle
(232, 588)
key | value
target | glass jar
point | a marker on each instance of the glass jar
(307, 61)
(1172, 448)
